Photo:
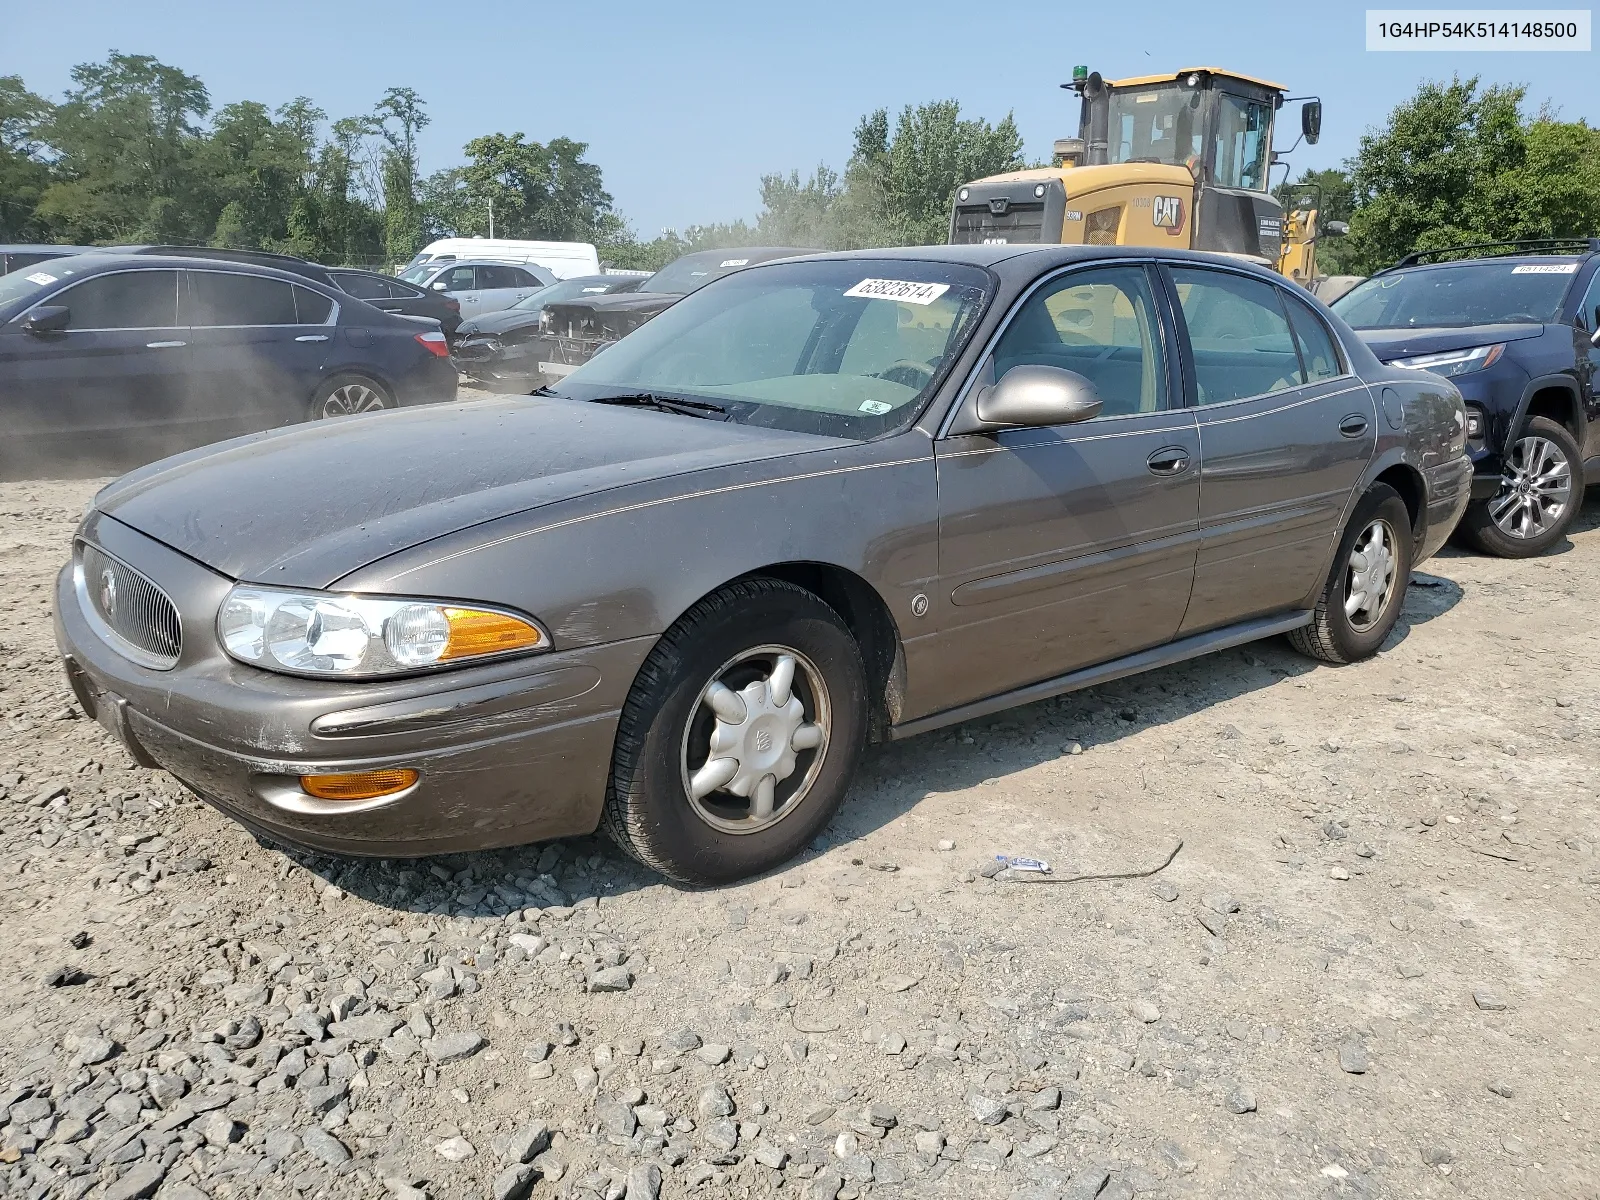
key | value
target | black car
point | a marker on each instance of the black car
(501, 350)
(117, 359)
(381, 291)
(15, 257)
(576, 330)
(1512, 326)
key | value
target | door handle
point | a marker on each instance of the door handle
(1169, 460)
(164, 345)
(312, 337)
(1353, 426)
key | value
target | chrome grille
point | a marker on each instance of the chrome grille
(130, 607)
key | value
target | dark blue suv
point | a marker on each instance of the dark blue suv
(1512, 325)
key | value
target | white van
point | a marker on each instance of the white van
(564, 260)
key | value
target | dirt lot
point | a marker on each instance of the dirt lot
(1371, 970)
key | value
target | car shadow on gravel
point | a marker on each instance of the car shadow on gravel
(893, 779)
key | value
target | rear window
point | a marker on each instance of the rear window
(363, 287)
(1456, 295)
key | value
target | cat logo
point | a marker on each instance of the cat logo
(1166, 212)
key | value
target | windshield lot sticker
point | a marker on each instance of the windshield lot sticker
(876, 407)
(906, 290)
(41, 278)
(1528, 269)
(736, 262)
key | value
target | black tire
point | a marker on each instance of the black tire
(1335, 635)
(648, 808)
(1478, 527)
(338, 397)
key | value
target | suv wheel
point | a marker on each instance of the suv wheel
(1367, 587)
(1540, 492)
(740, 736)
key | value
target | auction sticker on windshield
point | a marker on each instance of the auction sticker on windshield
(907, 290)
(1546, 269)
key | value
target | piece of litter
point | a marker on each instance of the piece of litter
(1013, 862)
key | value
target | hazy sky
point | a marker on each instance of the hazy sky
(685, 106)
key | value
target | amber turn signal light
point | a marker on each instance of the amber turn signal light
(359, 785)
(474, 632)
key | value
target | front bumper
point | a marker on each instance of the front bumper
(509, 752)
(1448, 488)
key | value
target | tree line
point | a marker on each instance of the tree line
(135, 153)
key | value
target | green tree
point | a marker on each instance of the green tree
(1459, 164)
(24, 176)
(125, 141)
(545, 192)
(398, 118)
(1329, 191)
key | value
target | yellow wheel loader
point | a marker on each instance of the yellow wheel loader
(1179, 160)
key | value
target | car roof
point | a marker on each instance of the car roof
(44, 248)
(761, 253)
(1032, 259)
(1491, 259)
(102, 260)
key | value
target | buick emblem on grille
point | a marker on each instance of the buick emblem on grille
(108, 592)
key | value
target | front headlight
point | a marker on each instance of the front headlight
(320, 633)
(1454, 362)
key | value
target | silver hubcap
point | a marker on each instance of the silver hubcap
(756, 739)
(1534, 490)
(351, 398)
(1370, 576)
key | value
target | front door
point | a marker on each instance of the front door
(108, 388)
(461, 282)
(1065, 546)
(1286, 433)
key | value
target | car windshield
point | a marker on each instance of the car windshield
(686, 274)
(25, 281)
(1458, 295)
(1156, 124)
(847, 347)
(420, 272)
(567, 289)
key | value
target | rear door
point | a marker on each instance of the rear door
(500, 287)
(1066, 546)
(259, 348)
(1286, 432)
(1588, 357)
(110, 385)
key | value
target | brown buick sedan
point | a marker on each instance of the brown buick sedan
(815, 504)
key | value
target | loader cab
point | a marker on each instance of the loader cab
(1178, 159)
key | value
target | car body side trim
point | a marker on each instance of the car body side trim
(1132, 664)
(1084, 567)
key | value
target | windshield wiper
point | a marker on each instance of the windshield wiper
(671, 404)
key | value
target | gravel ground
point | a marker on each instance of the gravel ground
(1370, 971)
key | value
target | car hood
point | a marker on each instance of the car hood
(500, 322)
(1390, 344)
(642, 303)
(306, 505)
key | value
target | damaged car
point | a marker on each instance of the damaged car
(815, 504)
(574, 331)
(501, 351)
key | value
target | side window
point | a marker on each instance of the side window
(311, 308)
(1238, 334)
(221, 299)
(124, 300)
(524, 279)
(362, 287)
(1241, 150)
(1317, 352)
(457, 279)
(498, 277)
(1100, 323)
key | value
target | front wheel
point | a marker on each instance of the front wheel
(740, 736)
(1367, 587)
(1540, 491)
(347, 395)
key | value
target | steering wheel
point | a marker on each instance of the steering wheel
(921, 374)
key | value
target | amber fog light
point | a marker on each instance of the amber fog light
(359, 785)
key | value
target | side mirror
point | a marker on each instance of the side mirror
(47, 318)
(1311, 121)
(1034, 395)
(1337, 228)
(439, 286)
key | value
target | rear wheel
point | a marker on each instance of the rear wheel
(347, 395)
(1541, 488)
(740, 736)
(1367, 588)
